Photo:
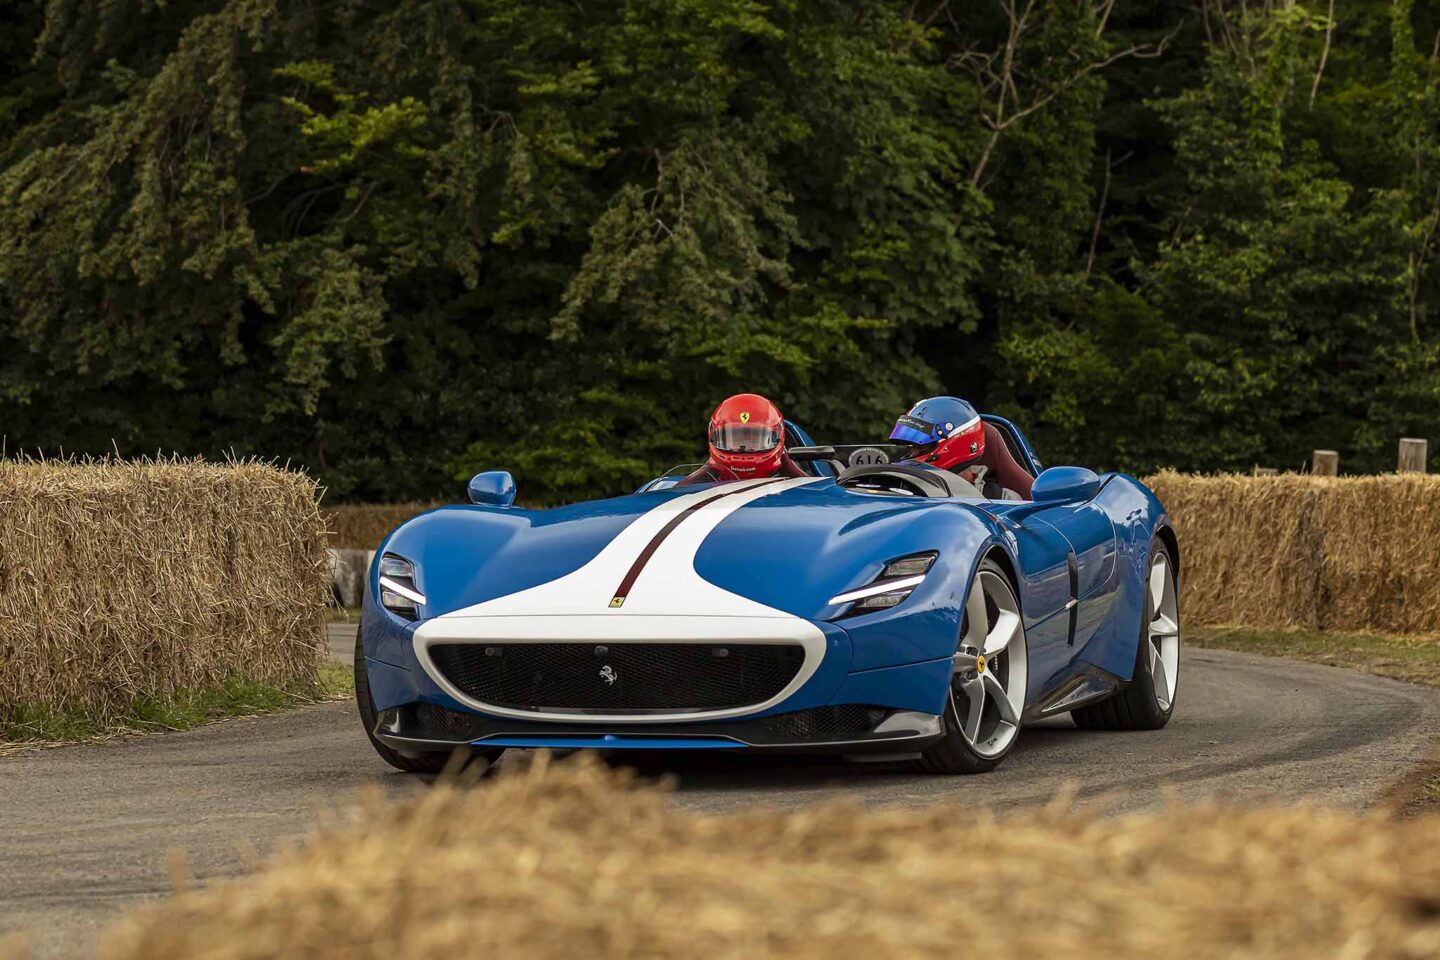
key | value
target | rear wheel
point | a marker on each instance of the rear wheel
(421, 763)
(987, 687)
(1149, 700)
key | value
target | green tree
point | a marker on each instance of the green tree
(400, 242)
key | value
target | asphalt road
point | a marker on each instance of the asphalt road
(87, 831)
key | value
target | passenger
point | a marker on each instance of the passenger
(947, 432)
(747, 441)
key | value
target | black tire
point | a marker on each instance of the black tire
(423, 763)
(1135, 707)
(952, 755)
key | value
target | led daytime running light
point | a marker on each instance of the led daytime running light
(906, 584)
(897, 580)
(403, 590)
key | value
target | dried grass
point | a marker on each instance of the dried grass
(570, 861)
(361, 526)
(1323, 553)
(125, 581)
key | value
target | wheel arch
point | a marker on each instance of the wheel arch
(1003, 560)
(1166, 533)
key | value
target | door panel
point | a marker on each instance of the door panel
(1044, 556)
(1091, 536)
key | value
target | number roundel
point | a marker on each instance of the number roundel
(867, 456)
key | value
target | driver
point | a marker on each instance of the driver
(947, 432)
(747, 441)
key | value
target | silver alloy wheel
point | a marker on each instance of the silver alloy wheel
(1164, 631)
(988, 685)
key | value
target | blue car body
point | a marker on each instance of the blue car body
(552, 628)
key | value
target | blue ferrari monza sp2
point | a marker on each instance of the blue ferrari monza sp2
(870, 609)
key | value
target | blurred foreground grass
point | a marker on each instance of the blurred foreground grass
(559, 860)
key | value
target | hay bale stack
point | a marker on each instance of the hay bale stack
(571, 862)
(1323, 553)
(362, 526)
(121, 581)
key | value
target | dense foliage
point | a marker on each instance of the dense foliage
(397, 241)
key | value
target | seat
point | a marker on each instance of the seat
(1002, 464)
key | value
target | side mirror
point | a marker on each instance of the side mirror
(493, 488)
(1065, 484)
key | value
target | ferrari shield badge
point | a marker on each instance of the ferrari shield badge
(744, 418)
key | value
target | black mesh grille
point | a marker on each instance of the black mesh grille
(849, 718)
(619, 677)
(441, 724)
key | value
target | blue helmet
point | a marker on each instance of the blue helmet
(946, 432)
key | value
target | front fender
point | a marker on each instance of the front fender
(800, 569)
(1137, 514)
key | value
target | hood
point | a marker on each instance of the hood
(754, 548)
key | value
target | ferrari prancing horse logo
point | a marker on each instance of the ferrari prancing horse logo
(617, 601)
(608, 674)
(744, 418)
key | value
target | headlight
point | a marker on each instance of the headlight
(397, 586)
(897, 581)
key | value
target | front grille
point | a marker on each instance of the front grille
(619, 678)
(823, 722)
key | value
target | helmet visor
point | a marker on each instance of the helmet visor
(910, 429)
(743, 438)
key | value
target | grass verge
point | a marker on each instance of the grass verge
(1418, 793)
(1414, 660)
(29, 726)
(342, 615)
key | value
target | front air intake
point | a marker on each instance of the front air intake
(623, 678)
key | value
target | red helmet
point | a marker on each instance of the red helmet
(747, 436)
(945, 431)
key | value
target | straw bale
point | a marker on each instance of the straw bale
(1289, 550)
(361, 526)
(121, 581)
(1325, 553)
(573, 861)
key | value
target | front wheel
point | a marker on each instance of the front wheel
(422, 763)
(1149, 700)
(987, 687)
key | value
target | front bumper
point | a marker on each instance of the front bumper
(846, 729)
(906, 699)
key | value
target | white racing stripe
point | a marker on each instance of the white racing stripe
(667, 586)
(667, 602)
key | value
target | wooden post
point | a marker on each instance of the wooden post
(1264, 471)
(1326, 463)
(1412, 455)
